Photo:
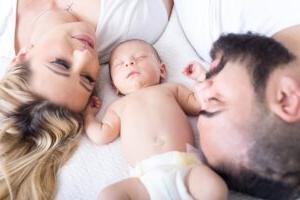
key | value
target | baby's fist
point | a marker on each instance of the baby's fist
(93, 106)
(195, 71)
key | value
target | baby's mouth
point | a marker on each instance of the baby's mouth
(132, 73)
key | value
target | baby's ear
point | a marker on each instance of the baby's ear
(163, 71)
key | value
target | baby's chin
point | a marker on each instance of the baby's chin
(136, 86)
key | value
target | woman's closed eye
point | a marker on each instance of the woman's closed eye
(88, 82)
(61, 63)
(88, 79)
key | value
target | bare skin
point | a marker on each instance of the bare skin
(150, 119)
(215, 96)
(29, 11)
(156, 111)
(61, 36)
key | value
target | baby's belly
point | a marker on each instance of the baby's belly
(137, 148)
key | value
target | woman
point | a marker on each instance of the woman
(52, 33)
(52, 77)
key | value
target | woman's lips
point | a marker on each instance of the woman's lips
(86, 39)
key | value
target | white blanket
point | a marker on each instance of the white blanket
(93, 167)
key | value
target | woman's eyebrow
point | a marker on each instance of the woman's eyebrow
(57, 72)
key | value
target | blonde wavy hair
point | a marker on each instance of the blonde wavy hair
(36, 139)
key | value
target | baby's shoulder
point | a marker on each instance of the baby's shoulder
(172, 86)
(117, 104)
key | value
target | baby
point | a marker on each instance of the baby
(150, 119)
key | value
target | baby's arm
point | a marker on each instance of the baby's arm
(101, 132)
(186, 99)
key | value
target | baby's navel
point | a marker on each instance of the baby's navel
(159, 141)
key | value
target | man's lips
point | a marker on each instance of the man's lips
(86, 39)
(132, 74)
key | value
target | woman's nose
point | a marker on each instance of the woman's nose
(82, 57)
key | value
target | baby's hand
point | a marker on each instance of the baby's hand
(195, 71)
(93, 106)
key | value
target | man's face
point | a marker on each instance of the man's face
(228, 106)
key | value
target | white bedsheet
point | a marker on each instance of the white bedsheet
(93, 167)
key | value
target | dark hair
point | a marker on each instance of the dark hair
(273, 167)
(260, 54)
(250, 182)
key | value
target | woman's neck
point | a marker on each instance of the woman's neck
(31, 16)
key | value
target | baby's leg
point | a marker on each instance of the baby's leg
(129, 189)
(203, 183)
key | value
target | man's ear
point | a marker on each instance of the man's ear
(286, 99)
(163, 71)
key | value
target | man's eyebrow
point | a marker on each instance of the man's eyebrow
(214, 71)
(66, 75)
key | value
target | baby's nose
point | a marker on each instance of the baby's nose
(129, 63)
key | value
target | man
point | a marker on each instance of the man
(250, 120)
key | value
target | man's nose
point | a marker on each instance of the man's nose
(203, 92)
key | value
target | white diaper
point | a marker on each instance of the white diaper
(122, 20)
(163, 175)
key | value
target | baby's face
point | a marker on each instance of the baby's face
(134, 65)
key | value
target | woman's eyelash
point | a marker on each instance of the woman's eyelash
(61, 62)
(89, 78)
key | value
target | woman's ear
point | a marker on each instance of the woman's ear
(21, 55)
(286, 99)
(163, 71)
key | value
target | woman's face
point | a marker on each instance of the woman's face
(64, 64)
